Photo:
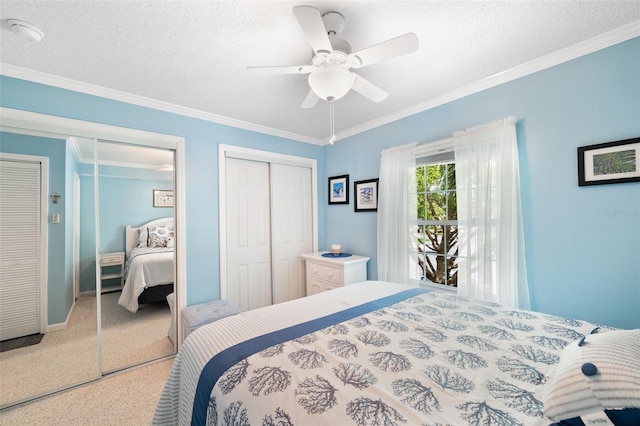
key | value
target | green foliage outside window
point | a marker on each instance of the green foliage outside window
(437, 232)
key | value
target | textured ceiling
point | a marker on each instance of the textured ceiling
(194, 54)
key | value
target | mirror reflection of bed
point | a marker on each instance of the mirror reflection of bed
(136, 319)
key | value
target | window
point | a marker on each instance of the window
(435, 235)
(451, 216)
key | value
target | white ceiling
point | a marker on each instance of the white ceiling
(191, 56)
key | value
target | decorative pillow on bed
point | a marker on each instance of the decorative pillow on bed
(141, 237)
(160, 236)
(600, 372)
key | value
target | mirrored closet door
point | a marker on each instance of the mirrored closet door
(71, 214)
(137, 262)
(49, 327)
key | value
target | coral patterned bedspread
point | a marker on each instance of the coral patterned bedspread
(372, 353)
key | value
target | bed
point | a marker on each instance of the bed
(375, 353)
(149, 265)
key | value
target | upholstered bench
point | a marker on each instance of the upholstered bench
(195, 316)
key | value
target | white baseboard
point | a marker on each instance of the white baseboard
(62, 325)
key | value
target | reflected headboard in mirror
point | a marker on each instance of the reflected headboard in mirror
(131, 233)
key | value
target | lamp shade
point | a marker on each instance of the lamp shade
(331, 82)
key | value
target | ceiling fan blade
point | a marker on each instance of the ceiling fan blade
(369, 90)
(311, 22)
(398, 46)
(293, 69)
(311, 100)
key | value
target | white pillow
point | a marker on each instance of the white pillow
(596, 373)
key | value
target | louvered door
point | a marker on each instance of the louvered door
(19, 249)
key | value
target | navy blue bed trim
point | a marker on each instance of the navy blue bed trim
(225, 359)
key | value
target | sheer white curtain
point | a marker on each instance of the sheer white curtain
(491, 262)
(397, 187)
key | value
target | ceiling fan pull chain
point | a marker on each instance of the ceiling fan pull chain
(332, 130)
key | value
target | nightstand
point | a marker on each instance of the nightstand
(326, 273)
(108, 264)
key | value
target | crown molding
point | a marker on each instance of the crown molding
(72, 142)
(586, 47)
(21, 73)
(619, 35)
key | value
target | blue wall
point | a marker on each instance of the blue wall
(125, 198)
(60, 266)
(87, 228)
(201, 160)
(582, 258)
(582, 243)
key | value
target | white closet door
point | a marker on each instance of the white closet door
(19, 249)
(248, 234)
(291, 229)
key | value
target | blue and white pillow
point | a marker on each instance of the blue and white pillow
(160, 236)
(598, 375)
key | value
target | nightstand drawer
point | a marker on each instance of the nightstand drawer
(324, 272)
(318, 286)
(111, 260)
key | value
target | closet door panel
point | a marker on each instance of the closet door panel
(248, 234)
(19, 249)
(291, 225)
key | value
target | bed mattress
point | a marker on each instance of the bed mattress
(370, 353)
(146, 267)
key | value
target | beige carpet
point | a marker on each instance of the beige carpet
(61, 359)
(125, 398)
(70, 356)
(129, 339)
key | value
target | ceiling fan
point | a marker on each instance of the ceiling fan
(330, 77)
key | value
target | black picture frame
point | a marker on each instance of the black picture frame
(610, 162)
(366, 195)
(338, 190)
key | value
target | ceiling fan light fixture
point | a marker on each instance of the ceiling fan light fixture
(25, 30)
(331, 82)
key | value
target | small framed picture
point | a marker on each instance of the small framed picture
(611, 162)
(339, 189)
(366, 193)
(162, 198)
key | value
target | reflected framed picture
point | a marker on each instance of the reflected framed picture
(611, 162)
(366, 194)
(162, 198)
(339, 189)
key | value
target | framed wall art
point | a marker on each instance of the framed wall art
(611, 162)
(162, 198)
(339, 189)
(366, 193)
